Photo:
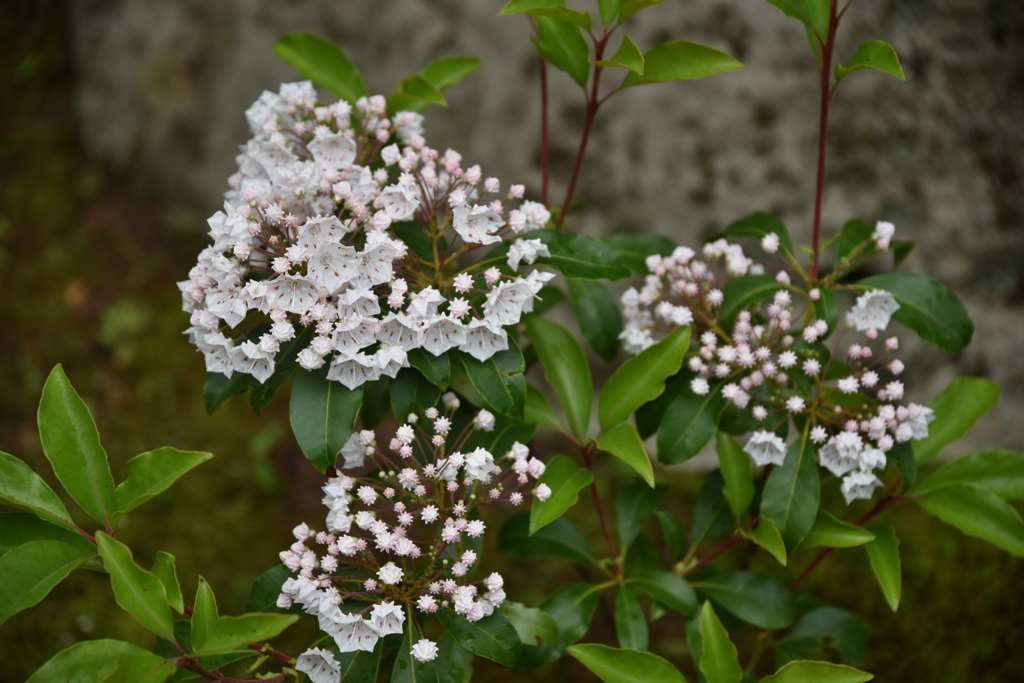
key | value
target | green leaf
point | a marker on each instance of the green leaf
(415, 92)
(566, 370)
(453, 663)
(672, 529)
(884, 555)
(597, 314)
(534, 625)
(265, 590)
(712, 515)
(503, 390)
(437, 369)
(817, 672)
(360, 665)
(31, 570)
(739, 478)
(152, 473)
(609, 9)
(719, 660)
(323, 415)
(144, 668)
(376, 402)
(957, 408)
(900, 251)
(87, 662)
(565, 478)
(635, 247)
(548, 297)
(538, 410)
(628, 56)
(548, 8)
(854, 234)
(688, 424)
(625, 666)
(743, 292)
(641, 379)
(755, 599)
(492, 637)
(163, 569)
(634, 505)
(680, 60)
(876, 55)
(562, 46)
(412, 392)
(260, 394)
(445, 72)
(219, 388)
(792, 493)
(1001, 472)
(670, 590)
(576, 256)
(829, 532)
(204, 615)
(631, 7)
(138, 592)
(844, 632)
(926, 306)
(814, 13)
(560, 538)
(72, 445)
(572, 608)
(630, 622)
(230, 633)
(757, 225)
(978, 513)
(827, 308)
(768, 537)
(19, 528)
(624, 443)
(22, 488)
(407, 668)
(322, 62)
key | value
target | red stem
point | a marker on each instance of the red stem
(825, 79)
(190, 664)
(588, 458)
(544, 130)
(728, 545)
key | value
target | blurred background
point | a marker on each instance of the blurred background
(119, 124)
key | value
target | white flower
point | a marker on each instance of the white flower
(872, 311)
(543, 492)
(354, 452)
(770, 242)
(526, 250)
(841, 453)
(355, 633)
(475, 224)
(484, 338)
(700, 386)
(319, 665)
(484, 421)
(919, 422)
(389, 574)
(883, 234)
(424, 650)
(479, 464)
(388, 617)
(859, 484)
(765, 448)
(534, 214)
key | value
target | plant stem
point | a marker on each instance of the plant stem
(734, 541)
(588, 457)
(262, 649)
(191, 664)
(825, 80)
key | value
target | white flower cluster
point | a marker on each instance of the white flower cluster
(306, 241)
(396, 539)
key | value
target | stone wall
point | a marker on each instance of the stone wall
(162, 86)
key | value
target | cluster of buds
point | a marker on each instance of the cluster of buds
(771, 359)
(308, 246)
(397, 540)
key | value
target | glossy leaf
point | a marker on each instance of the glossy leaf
(926, 306)
(759, 224)
(376, 402)
(625, 666)
(829, 532)
(572, 607)
(755, 599)
(322, 62)
(445, 72)
(266, 589)
(635, 247)
(534, 625)
(680, 60)
(631, 7)
(876, 55)
(19, 528)
(609, 10)
(323, 415)
(30, 571)
(745, 291)
(492, 637)
(641, 379)
(22, 488)
(634, 505)
(689, 423)
(842, 631)
(560, 538)
(142, 668)
(814, 13)
(89, 661)
(360, 665)
(719, 660)
(566, 370)
(414, 93)
(138, 592)
(624, 443)
(407, 668)
(900, 251)
(453, 663)
(978, 513)
(827, 308)
(670, 590)
(261, 393)
(152, 473)
(712, 515)
(412, 392)
(630, 622)
(576, 256)
(768, 537)
(548, 8)
(72, 445)
(566, 479)
(957, 408)
(903, 455)
(561, 44)
(628, 56)
(817, 672)
(219, 388)
(739, 478)
(437, 369)
(538, 410)
(1001, 472)
(163, 569)
(597, 314)
(852, 244)
(672, 529)
(884, 555)
(792, 493)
